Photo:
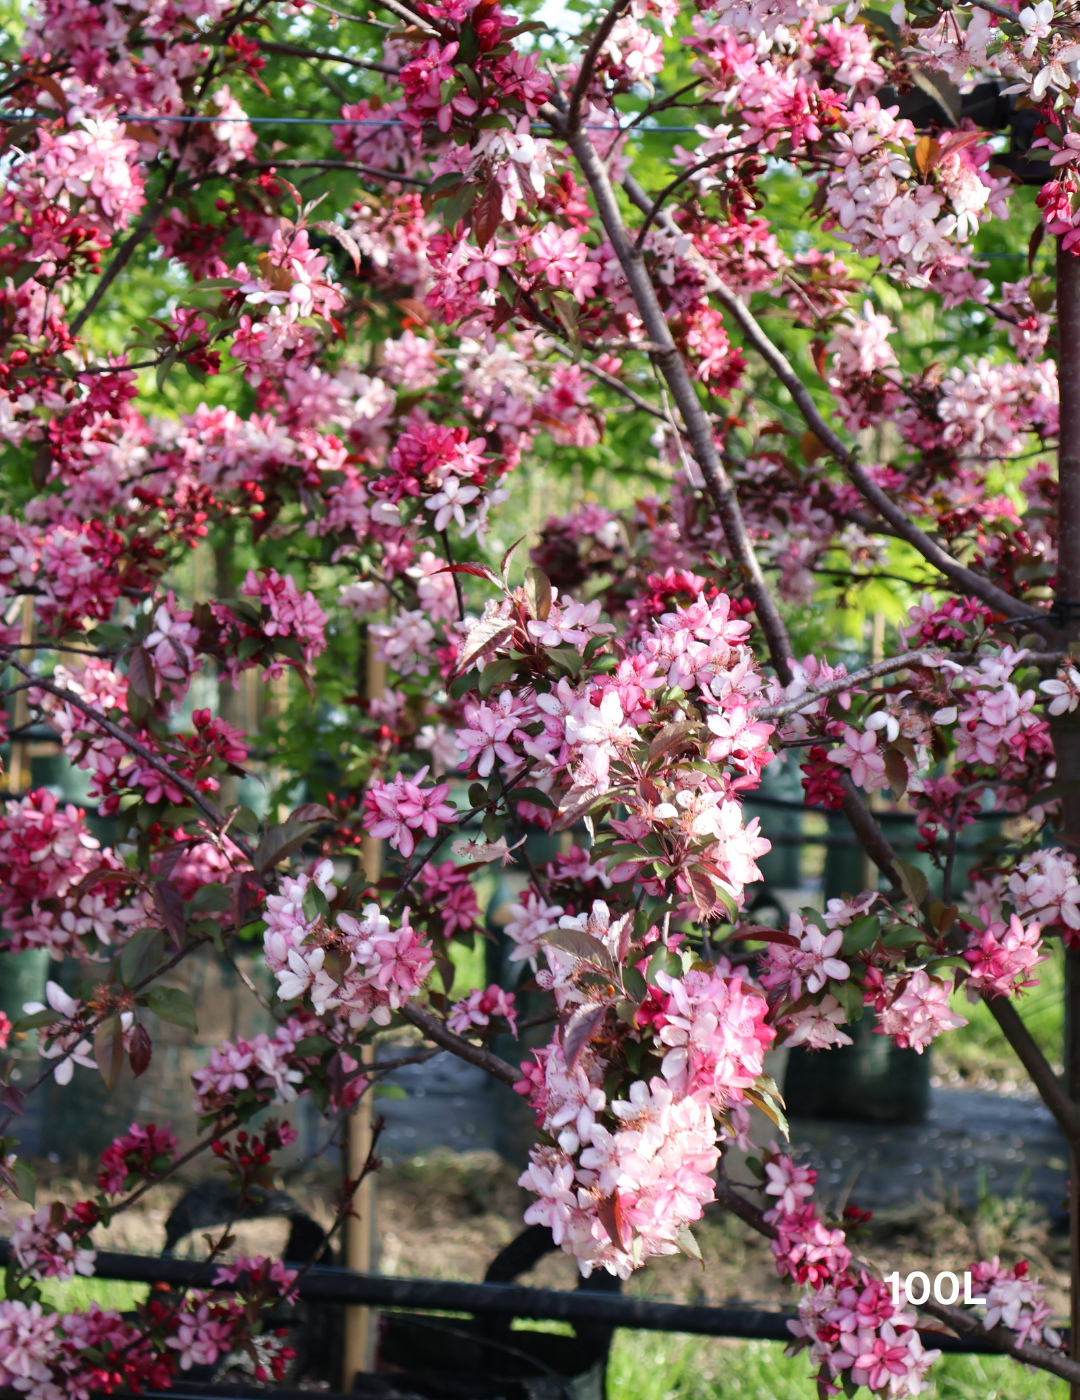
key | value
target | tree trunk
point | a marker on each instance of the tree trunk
(1066, 729)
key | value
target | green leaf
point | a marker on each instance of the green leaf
(535, 796)
(25, 1182)
(903, 936)
(141, 954)
(861, 934)
(172, 1004)
(461, 685)
(495, 673)
(36, 1019)
(915, 883)
(210, 897)
(635, 984)
(315, 905)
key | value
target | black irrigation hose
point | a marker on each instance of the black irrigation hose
(342, 1286)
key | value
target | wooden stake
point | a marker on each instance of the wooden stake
(360, 1323)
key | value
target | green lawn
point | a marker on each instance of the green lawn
(665, 1366)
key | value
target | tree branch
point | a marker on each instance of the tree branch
(147, 755)
(867, 831)
(1039, 1069)
(821, 692)
(905, 528)
(299, 51)
(588, 65)
(433, 1029)
(699, 429)
(1001, 1339)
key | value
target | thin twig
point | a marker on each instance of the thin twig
(588, 66)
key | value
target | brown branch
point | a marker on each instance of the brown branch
(299, 51)
(1051, 1090)
(812, 694)
(896, 516)
(1001, 1339)
(369, 170)
(147, 755)
(699, 429)
(433, 1029)
(753, 1215)
(867, 831)
(123, 254)
(588, 66)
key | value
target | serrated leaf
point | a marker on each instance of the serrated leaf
(25, 1182)
(581, 945)
(861, 934)
(140, 1050)
(311, 812)
(682, 732)
(140, 675)
(576, 807)
(340, 235)
(36, 1020)
(896, 770)
(689, 1245)
(169, 903)
(487, 211)
(703, 890)
(504, 566)
(535, 796)
(496, 673)
(172, 1004)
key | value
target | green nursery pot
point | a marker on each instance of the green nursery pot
(869, 1079)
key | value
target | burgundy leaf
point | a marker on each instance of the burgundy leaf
(579, 1032)
(140, 1050)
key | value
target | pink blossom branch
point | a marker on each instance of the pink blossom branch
(836, 687)
(965, 1324)
(699, 428)
(147, 755)
(588, 65)
(896, 516)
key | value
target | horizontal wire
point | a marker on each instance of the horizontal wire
(367, 121)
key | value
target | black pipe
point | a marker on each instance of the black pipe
(342, 1286)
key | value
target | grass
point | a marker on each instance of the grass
(669, 1366)
(81, 1292)
(979, 1055)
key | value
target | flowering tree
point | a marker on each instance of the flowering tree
(364, 376)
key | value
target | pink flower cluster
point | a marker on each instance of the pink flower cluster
(394, 811)
(43, 1245)
(478, 1008)
(1002, 957)
(138, 1154)
(265, 1067)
